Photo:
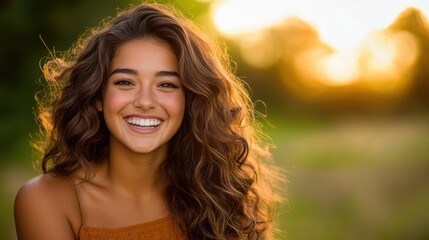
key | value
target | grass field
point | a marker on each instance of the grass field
(355, 179)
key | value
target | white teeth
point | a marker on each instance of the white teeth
(144, 122)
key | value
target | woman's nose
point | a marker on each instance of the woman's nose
(144, 98)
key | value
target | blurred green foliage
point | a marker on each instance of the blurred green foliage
(354, 171)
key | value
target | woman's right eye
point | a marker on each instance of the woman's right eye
(123, 83)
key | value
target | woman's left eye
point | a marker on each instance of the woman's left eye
(168, 85)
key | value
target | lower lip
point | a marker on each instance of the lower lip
(144, 130)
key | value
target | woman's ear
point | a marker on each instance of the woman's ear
(99, 105)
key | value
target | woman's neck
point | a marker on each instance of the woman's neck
(137, 174)
(127, 185)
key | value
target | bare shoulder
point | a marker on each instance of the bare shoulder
(44, 208)
(44, 182)
(44, 189)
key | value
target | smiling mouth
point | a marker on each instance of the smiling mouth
(143, 122)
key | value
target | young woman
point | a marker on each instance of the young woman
(149, 135)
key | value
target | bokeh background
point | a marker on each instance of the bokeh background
(343, 83)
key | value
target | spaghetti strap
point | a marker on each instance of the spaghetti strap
(77, 200)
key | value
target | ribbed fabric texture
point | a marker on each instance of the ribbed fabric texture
(161, 229)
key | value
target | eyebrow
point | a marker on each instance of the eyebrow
(167, 74)
(134, 72)
(124, 70)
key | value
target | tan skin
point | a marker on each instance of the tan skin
(143, 107)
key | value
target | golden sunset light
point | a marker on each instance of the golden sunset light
(341, 23)
(234, 17)
(354, 30)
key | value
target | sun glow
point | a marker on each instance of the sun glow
(341, 23)
(381, 56)
(234, 17)
(355, 30)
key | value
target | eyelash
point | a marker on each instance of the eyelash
(123, 83)
(168, 85)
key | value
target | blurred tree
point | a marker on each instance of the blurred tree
(414, 21)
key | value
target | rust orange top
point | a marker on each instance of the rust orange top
(160, 229)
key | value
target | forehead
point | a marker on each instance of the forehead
(144, 53)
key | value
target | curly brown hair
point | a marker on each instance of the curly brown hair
(221, 178)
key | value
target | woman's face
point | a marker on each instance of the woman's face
(143, 99)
